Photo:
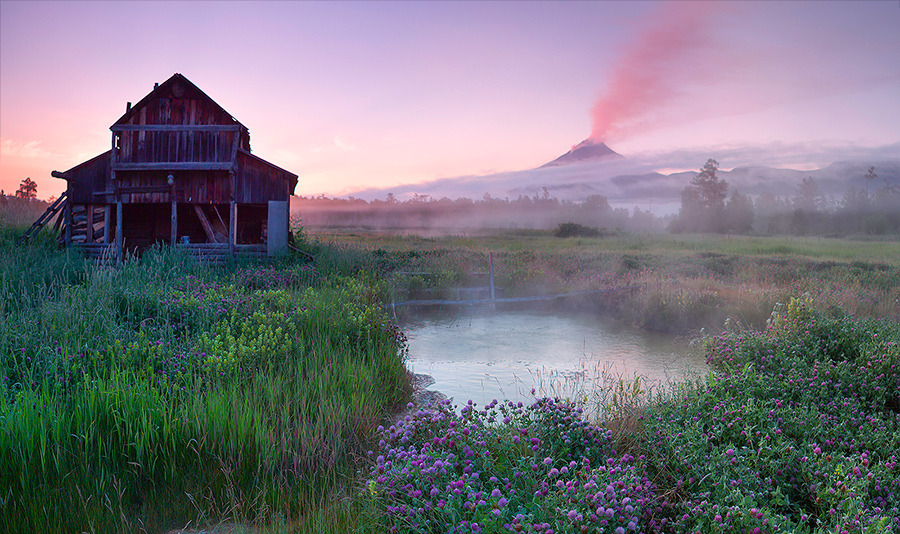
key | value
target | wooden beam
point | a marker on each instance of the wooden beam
(68, 216)
(146, 189)
(175, 127)
(235, 143)
(61, 205)
(62, 175)
(210, 235)
(173, 166)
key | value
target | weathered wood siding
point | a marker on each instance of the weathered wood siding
(195, 187)
(201, 187)
(177, 123)
(259, 181)
(89, 178)
(185, 146)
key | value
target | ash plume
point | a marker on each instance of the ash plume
(648, 75)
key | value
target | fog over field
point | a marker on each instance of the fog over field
(654, 181)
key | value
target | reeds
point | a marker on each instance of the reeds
(164, 394)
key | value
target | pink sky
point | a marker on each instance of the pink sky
(358, 95)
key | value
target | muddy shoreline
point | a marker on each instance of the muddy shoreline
(421, 398)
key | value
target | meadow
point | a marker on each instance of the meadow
(164, 394)
(686, 282)
(797, 430)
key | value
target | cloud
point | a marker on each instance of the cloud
(342, 144)
(25, 150)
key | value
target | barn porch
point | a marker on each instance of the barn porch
(200, 230)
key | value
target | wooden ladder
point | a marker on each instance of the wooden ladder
(54, 208)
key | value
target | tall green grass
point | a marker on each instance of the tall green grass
(165, 394)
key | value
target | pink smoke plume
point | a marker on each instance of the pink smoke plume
(649, 74)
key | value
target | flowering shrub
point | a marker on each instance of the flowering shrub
(507, 468)
(800, 431)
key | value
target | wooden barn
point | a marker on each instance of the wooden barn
(179, 172)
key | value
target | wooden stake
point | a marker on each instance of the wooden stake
(491, 259)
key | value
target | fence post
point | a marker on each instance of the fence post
(491, 260)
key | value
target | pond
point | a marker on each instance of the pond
(482, 355)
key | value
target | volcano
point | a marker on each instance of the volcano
(584, 151)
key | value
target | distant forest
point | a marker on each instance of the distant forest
(706, 206)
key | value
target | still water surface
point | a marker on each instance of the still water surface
(481, 355)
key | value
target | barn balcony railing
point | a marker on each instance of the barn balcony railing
(174, 147)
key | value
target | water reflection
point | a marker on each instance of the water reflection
(481, 355)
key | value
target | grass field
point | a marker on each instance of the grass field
(687, 282)
(165, 394)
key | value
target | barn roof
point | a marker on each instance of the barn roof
(165, 88)
(88, 163)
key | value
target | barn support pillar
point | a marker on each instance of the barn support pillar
(232, 227)
(107, 215)
(89, 230)
(232, 212)
(277, 240)
(120, 240)
(173, 232)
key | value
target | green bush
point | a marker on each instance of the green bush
(570, 229)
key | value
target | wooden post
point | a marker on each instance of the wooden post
(68, 212)
(68, 221)
(173, 237)
(232, 222)
(491, 260)
(232, 227)
(89, 231)
(107, 215)
(173, 231)
(113, 159)
(120, 240)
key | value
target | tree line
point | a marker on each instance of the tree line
(706, 207)
(22, 207)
